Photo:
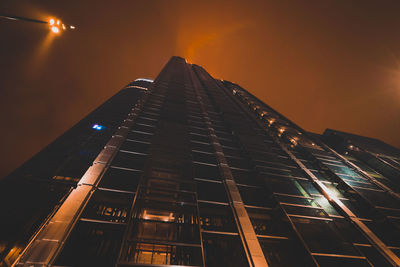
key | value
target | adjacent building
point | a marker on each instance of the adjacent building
(188, 170)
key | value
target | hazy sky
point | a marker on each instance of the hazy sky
(323, 64)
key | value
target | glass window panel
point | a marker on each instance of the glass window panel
(92, 244)
(303, 211)
(338, 261)
(379, 198)
(139, 136)
(245, 177)
(168, 184)
(284, 186)
(120, 179)
(374, 256)
(108, 206)
(162, 254)
(206, 172)
(284, 253)
(128, 160)
(211, 191)
(322, 236)
(386, 231)
(206, 158)
(135, 146)
(166, 195)
(217, 218)
(223, 250)
(269, 222)
(254, 196)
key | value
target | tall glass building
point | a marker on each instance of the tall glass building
(188, 170)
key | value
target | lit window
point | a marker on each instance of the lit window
(163, 216)
(98, 127)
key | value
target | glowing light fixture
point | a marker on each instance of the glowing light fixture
(144, 80)
(271, 121)
(293, 141)
(98, 127)
(56, 26)
(55, 29)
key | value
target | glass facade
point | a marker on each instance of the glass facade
(194, 171)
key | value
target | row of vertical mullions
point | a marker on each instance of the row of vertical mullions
(271, 136)
(180, 203)
(253, 251)
(389, 255)
(290, 215)
(133, 205)
(359, 223)
(318, 254)
(188, 82)
(289, 219)
(359, 171)
(348, 185)
(129, 221)
(364, 198)
(385, 161)
(74, 202)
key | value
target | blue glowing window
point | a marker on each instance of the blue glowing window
(98, 127)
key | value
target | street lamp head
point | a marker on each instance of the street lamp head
(56, 26)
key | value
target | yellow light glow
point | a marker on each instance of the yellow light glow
(58, 22)
(55, 29)
(281, 130)
(158, 216)
(51, 21)
(72, 27)
(63, 27)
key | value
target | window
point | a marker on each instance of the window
(120, 179)
(216, 245)
(217, 218)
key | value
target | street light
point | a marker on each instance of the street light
(55, 25)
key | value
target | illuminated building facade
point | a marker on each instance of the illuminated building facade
(189, 170)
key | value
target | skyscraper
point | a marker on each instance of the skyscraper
(189, 170)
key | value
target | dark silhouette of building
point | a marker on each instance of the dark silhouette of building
(189, 170)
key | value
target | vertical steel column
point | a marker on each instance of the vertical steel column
(188, 84)
(250, 242)
(45, 246)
